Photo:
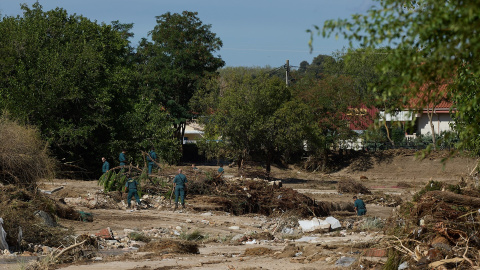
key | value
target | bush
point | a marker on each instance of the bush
(24, 156)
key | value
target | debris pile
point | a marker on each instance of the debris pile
(29, 218)
(348, 185)
(439, 230)
(242, 196)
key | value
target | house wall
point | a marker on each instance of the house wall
(191, 137)
(441, 122)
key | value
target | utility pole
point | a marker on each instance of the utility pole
(287, 67)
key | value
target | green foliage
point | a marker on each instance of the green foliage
(256, 115)
(372, 224)
(152, 127)
(113, 181)
(173, 66)
(193, 236)
(393, 261)
(436, 185)
(431, 47)
(330, 103)
(66, 75)
(138, 236)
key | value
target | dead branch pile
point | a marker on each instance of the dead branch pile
(351, 186)
(257, 196)
(440, 229)
(23, 155)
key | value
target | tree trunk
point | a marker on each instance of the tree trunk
(454, 199)
(430, 120)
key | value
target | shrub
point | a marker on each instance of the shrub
(24, 155)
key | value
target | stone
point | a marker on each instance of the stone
(237, 237)
(345, 261)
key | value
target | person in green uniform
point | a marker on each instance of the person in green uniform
(220, 171)
(131, 185)
(151, 158)
(122, 158)
(105, 166)
(179, 183)
(360, 207)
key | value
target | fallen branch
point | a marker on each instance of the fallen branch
(465, 253)
(456, 199)
(69, 248)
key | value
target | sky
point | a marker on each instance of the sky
(255, 33)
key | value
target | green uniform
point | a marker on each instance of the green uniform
(122, 159)
(105, 166)
(361, 208)
(151, 164)
(180, 180)
(131, 184)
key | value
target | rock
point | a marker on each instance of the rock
(178, 228)
(234, 228)
(403, 266)
(207, 214)
(188, 221)
(345, 261)
(47, 219)
(333, 222)
(237, 237)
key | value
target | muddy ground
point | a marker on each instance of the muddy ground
(399, 174)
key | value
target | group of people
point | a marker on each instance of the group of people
(180, 182)
(122, 159)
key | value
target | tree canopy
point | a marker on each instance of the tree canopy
(64, 74)
(91, 94)
(257, 116)
(175, 63)
(428, 42)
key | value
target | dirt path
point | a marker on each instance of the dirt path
(310, 250)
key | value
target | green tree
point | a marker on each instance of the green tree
(174, 65)
(334, 105)
(430, 42)
(66, 75)
(256, 116)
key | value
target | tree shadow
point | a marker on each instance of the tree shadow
(294, 181)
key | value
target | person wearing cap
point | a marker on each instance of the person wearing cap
(179, 184)
(360, 207)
